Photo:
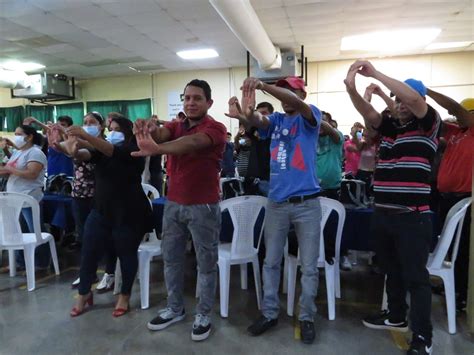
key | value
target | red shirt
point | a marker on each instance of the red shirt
(455, 170)
(194, 177)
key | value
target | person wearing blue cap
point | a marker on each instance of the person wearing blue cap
(400, 223)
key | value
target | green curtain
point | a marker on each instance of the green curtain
(75, 111)
(41, 113)
(132, 109)
(2, 119)
(14, 117)
(138, 109)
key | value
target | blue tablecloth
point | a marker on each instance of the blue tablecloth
(57, 211)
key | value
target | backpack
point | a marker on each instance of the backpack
(353, 193)
(60, 184)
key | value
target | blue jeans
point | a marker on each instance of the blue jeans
(42, 252)
(204, 223)
(306, 217)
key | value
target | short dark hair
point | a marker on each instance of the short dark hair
(268, 105)
(30, 131)
(327, 114)
(66, 119)
(201, 84)
(229, 134)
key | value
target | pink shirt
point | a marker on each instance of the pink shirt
(352, 158)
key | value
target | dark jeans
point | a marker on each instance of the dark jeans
(461, 268)
(99, 235)
(402, 246)
(156, 173)
(81, 208)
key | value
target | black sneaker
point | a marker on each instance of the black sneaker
(201, 327)
(307, 332)
(382, 321)
(419, 346)
(261, 325)
(165, 318)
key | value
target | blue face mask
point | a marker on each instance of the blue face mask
(116, 137)
(92, 130)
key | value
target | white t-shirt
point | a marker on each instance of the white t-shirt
(19, 160)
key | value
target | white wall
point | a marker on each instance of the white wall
(451, 74)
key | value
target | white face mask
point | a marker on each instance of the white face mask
(116, 137)
(92, 130)
(19, 141)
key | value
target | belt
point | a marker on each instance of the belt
(299, 199)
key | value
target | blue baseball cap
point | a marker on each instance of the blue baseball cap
(416, 85)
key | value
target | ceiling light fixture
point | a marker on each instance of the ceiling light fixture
(390, 41)
(198, 54)
(447, 45)
(16, 65)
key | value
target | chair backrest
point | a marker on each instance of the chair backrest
(149, 189)
(11, 204)
(244, 212)
(327, 206)
(452, 228)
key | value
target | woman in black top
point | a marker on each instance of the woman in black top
(121, 213)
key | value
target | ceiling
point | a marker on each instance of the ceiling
(99, 38)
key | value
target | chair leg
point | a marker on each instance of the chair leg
(284, 287)
(243, 276)
(337, 280)
(258, 282)
(29, 252)
(291, 288)
(449, 290)
(384, 297)
(12, 262)
(224, 284)
(54, 255)
(330, 289)
(118, 278)
(144, 272)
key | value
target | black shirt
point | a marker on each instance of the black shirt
(119, 195)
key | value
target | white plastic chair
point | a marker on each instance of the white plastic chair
(244, 212)
(11, 237)
(333, 282)
(146, 251)
(437, 264)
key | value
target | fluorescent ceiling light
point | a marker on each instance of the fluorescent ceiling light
(198, 54)
(390, 41)
(16, 65)
(445, 45)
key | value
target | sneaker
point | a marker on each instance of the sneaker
(106, 284)
(346, 263)
(261, 325)
(420, 346)
(382, 321)
(201, 327)
(76, 282)
(165, 318)
(307, 332)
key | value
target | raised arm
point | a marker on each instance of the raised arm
(97, 143)
(371, 117)
(464, 117)
(158, 134)
(409, 97)
(376, 90)
(326, 128)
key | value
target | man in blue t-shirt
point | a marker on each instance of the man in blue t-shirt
(292, 195)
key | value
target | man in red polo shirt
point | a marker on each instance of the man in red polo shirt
(196, 147)
(455, 178)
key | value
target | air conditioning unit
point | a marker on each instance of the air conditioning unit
(291, 65)
(46, 87)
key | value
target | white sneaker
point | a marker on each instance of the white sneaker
(75, 283)
(106, 284)
(345, 263)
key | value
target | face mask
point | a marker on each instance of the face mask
(359, 135)
(19, 141)
(92, 130)
(116, 137)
